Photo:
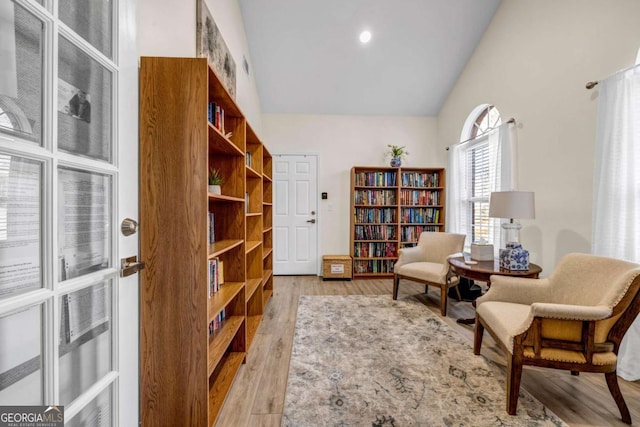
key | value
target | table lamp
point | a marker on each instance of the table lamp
(512, 205)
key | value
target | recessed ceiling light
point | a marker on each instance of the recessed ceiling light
(365, 37)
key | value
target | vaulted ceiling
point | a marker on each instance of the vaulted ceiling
(307, 58)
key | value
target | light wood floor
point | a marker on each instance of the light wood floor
(257, 396)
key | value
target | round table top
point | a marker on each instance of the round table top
(492, 267)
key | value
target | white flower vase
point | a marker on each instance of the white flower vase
(215, 189)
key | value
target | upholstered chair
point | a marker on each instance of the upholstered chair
(427, 263)
(573, 320)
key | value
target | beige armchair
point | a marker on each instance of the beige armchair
(572, 320)
(427, 263)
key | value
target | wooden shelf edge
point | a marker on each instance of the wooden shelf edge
(253, 173)
(218, 248)
(267, 229)
(266, 275)
(251, 287)
(267, 177)
(267, 203)
(356, 258)
(220, 341)
(266, 252)
(254, 214)
(222, 383)
(266, 295)
(223, 198)
(252, 244)
(375, 187)
(220, 299)
(218, 143)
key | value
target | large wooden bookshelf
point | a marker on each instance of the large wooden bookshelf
(194, 340)
(390, 207)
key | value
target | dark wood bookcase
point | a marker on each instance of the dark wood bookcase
(390, 207)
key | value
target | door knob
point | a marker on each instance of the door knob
(312, 221)
(128, 226)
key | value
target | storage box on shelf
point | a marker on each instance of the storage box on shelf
(202, 291)
(390, 207)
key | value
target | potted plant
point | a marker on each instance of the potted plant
(397, 154)
(215, 181)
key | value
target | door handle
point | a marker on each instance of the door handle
(312, 221)
(130, 265)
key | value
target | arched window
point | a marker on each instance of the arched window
(474, 175)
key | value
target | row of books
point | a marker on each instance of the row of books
(217, 322)
(419, 197)
(374, 250)
(411, 233)
(375, 232)
(375, 197)
(216, 275)
(420, 215)
(373, 266)
(376, 215)
(376, 179)
(212, 228)
(419, 179)
(248, 159)
(216, 116)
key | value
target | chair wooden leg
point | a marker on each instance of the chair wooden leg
(443, 300)
(514, 375)
(614, 389)
(575, 373)
(478, 334)
(396, 283)
(426, 289)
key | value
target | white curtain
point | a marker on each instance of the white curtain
(501, 152)
(616, 209)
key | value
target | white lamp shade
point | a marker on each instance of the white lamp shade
(512, 204)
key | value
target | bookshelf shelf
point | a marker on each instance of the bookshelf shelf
(219, 341)
(267, 274)
(266, 230)
(252, 285)
(219, 248)
(221, 299)
(267, 252)
(218, 198)
(390, 207)
(253, 244)
(221, 380)
(181, 325)
(251, 173)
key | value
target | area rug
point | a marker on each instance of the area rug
(372, 361)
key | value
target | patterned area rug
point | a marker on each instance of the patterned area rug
(371, 361)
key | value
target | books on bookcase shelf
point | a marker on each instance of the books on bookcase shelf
(216, 116)
(216, 275)
(390, 207)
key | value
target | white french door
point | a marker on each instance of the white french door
(295, 214)
(68, 145)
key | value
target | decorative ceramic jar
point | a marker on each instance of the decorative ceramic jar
(514, 257)
(396, 162)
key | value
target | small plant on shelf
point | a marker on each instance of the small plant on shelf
(397, 154)
(215, 181)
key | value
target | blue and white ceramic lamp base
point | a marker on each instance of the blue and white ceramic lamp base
(513, 257)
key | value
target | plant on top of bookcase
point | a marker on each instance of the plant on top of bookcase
(215, 181)
(397, 154)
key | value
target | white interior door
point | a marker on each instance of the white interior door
(295, 214)
(68, 145)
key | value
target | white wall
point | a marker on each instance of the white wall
(341, 143)
(532, 64)
(168, 28)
